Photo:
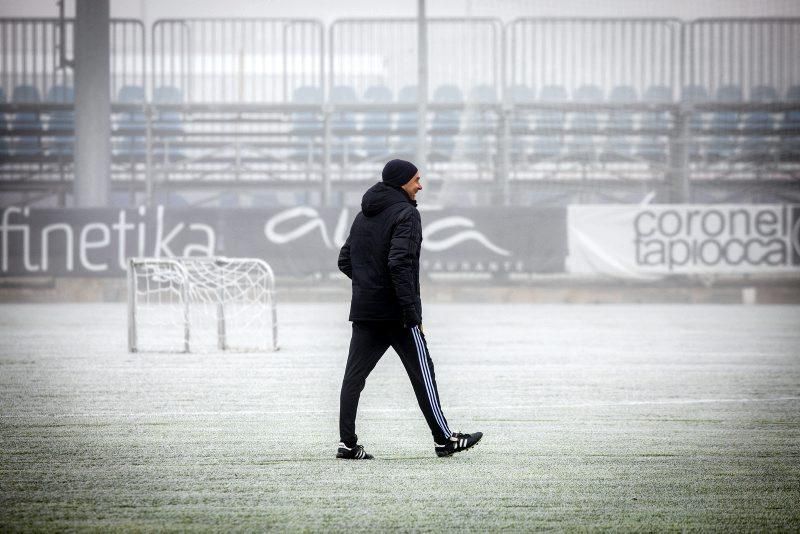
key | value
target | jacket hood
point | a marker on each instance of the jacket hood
(380, 196)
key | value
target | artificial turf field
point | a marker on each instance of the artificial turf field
(595, 417)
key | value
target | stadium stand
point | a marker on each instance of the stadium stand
(790, 144)
(614, 122)
(405, 141)
(60, 141)
(724, 146)
(756, 146)
(130, 127)
(5, 152)
(653, 147)
(620, 148)
(346, 144)
(26, 126)
(582, 147)
(376, 124)
(549, 125)
(446, 123)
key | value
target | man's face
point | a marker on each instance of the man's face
(412, 187)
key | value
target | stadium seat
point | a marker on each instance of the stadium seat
(480, 124)
(344, 143)
(724, 146)
(618, 147)
(61, 144)
(654, 147)
(547, 144)
(582, 147)
(695, 94)
(446, 124)
(26, 145)
(168, 125)
(790, 143)
(759, 147)
(306, 126)
(376, 125)
(519, 121)
(131, 144)
(405, 143)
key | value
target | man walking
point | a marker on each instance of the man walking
(381, 256)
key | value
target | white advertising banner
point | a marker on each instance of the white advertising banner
(651, 241)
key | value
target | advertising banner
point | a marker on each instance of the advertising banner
(297, 241)
(653, 241)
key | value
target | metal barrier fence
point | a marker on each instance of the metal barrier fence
(742, 59)
(562, 57)
(30, 58)
(465, 58)
(249, 103)
(237, 60)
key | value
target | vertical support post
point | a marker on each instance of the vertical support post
(92, 103)
(131, 305)
(186, 317)
(326, 156)
(422, 86)
(149, 186)
(221, 341)
(273, 309)
(679, 157)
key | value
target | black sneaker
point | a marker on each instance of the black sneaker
(352, 453)
(458, 442)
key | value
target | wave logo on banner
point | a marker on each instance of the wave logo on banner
(431, 244)
(315, 223)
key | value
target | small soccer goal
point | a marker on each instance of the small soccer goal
(201, 304)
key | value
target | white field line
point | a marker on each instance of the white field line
(665, 402)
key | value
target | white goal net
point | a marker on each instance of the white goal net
(201, 304)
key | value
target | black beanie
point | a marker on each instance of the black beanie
(398, 172)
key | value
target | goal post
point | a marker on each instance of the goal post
(200, 304)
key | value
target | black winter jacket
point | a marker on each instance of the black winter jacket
(381, 256)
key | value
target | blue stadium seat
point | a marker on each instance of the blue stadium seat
(344, 144)
(695, 94)
(480, 124)
(130, 145)
(654, 147)
(4, 150)
(724, 147)
(376, 125)
(790, 143)
(61, 144)
(168, 125)
(306, 126)
(582, 147)
(617, 147)
(26, 145)
(519, 126)
(405, 143)
(759, 147)
(548, 145)
(446, 124)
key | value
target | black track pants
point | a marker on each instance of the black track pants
(369, 342)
